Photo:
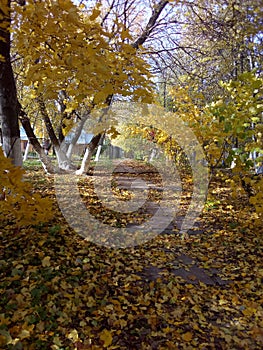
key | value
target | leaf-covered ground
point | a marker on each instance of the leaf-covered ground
(59, 291)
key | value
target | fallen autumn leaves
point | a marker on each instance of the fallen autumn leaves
(59, 291)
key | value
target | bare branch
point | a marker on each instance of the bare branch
(151, 23)
(108, 12)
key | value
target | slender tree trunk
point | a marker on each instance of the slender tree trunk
(44, 158)
(26, 151)
(63, 161)
(100, 144)
(97, 157)
(88, 154)
(76, 136)
(62, 96)
(93, 143)
(8, 95)
(60, 133)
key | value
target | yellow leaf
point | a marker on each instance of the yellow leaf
(3, 320)
(248, 312)
(46, 261)
(20, 299)
(5, 337)
(106, 337)
(187, 336)
(125, 34)
(95, 14)
(57, 342)
(24, 334)
(100, 97)
(73, 335)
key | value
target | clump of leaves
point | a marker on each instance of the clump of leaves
(17, 202)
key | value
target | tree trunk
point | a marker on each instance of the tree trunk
(97, 157)
(8, 95)
(26, 151)
(63, 161)
(99, 148)
(76, 136)
(88, 154)
(60, 134)
(64, 115)
(45, 160)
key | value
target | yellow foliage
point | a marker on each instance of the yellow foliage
(257, 199)
(62, 48)
(106, 337)
(17, 202)
(234, 116)
(187, 336)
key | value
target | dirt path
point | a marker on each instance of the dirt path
(183, 266)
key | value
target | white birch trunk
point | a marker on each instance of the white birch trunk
(85, 162)
(62, 159)
(26, 151)
(88, 154)
(70, 150)
(98, 153)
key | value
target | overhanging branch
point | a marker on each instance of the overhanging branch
(150, 25)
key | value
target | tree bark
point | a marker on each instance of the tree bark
(88, 154)
(9, 108)
(76, 136)
(99, 148)
(45, 160)
(26, 151)
(64, 115)
(63, 162)
(151, 24)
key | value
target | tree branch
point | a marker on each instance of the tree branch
(150, 25)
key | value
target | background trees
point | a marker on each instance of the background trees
(70, 59)
(71, 62)
(211, 41)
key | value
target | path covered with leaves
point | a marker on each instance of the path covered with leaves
(59, 291)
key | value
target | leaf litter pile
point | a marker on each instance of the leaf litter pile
(60, 291)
